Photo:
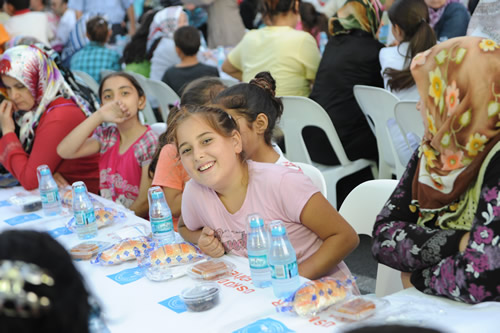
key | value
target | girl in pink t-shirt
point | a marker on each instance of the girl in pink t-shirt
(126, 148)
(210, 148)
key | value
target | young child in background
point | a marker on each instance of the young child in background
(225, 188)
(166, 167)
(187, 44)
(312, 21)
(94, 57)
(256, 109)
(126, 148)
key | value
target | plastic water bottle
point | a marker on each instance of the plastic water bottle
(221, 56)
(83, 209)
(323, 40)
(160, 216)
(258, 249)
(283, 262)
(49, 192)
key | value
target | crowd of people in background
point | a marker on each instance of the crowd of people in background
(267, 49)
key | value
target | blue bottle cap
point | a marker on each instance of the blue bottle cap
(45, 171)
(255, 221)
(157, 195)
(79, 187)
(277, 228)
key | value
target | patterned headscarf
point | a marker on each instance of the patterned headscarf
(164, 24)
(459, 85)
(436, 14)
(356, 14)
(37, 72)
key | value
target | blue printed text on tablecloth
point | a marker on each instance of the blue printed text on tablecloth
(175, 304)
(127, 275)
(267, 325)
(61, 231)
(22, 219)
(5, 203)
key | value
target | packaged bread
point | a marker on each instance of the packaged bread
(86, 250)
(127, 249)
(211, 269)
(354, 309)
(315, 296)
(173, 254)
(67, 198)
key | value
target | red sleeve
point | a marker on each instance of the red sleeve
(53, 127)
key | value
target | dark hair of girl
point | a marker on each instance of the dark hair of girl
(201, 91)
(97, 29)
(135, 50)
(252, 99)
(218, 119)
(69, 306)
(312, 20)
(270, 8)
(125, 75)
(412, 17)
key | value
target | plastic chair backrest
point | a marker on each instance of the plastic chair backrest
(299, 112)
(159, 128)
(378, 106)
(229, 82)
(88, 80)
(409, 118)
(315, 174)
(360, 208)
(164, 95)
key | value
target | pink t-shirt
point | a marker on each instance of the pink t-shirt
(274, 191)
(120, 174)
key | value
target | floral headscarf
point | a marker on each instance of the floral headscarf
(459, 84)
(164, 24)
(357, 14)
(36, 71)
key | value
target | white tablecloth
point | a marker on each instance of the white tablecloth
(132, 303)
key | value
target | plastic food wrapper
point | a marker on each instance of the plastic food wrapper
(315, 296)
(213, 269)
(356, 308)
(67, 198)
(165, 262)
(104, 217)
(26, 201)
(124, 250)
(86, 250)
(131, 231)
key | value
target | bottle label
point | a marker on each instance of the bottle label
(85, 217)
(50, 196)
(161, 225)
(258, 262)
(286, 271)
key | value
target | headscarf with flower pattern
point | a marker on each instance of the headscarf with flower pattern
(357, 14)
(164, 24)
(37, 72)
(459, 85)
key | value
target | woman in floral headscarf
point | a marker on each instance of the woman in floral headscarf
(161, 39)
(441, 225)
(46, 109)
(350, 58)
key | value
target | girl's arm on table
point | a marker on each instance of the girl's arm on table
(78, 143)
(141, 206)
(204, 238)
(339, 238)
(399, 242)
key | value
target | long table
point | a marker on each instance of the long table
(132, 303)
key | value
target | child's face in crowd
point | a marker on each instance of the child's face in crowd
(118, 88)
(18, 93)
(208, 157)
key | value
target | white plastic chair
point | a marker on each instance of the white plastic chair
(360, 208)
(88, 80)
(300, 112)
(378, 106)
(159, 128)
(163, 94)
(409, 118)
(316, 176)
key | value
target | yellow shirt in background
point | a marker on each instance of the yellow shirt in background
(290, 55)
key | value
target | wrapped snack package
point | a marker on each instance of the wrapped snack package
(213, 269)
(127, 249)
(165, 262)
(27, 202)
(104, 217)
(67, 197)
(86, 250)
(353, 309)
(131, 231)
(315, 296)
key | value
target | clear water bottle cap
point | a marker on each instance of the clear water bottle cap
(43, 170)
(79, 187)
(277, 228)
(155, 192)
(255, 221)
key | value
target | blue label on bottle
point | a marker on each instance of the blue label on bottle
(50, 196)
(258, 262)
(161, 225)
(86, 217)
(286, 271)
